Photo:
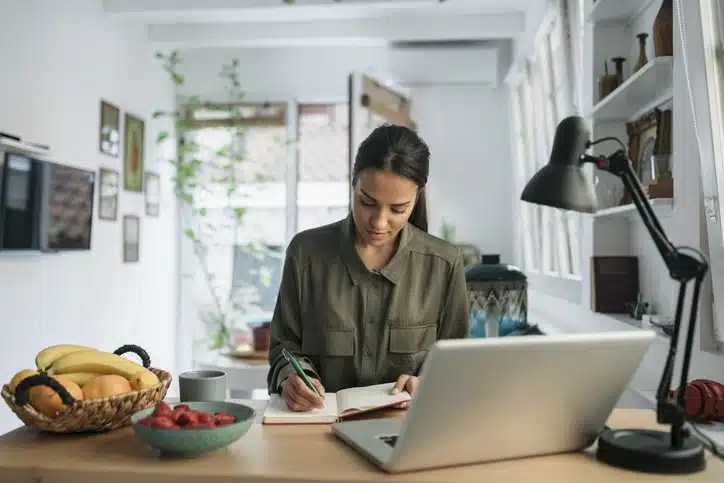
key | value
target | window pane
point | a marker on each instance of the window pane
(323, 189)
(564, 249)
(257, 158)
(573, 223)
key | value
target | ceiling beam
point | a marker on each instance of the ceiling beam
(352, 32)
(201, 11)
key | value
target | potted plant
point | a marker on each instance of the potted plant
(199, 172)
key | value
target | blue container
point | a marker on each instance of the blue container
(497, 292)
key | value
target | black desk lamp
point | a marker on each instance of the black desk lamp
(561, 184)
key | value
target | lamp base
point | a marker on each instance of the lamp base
(649, 452)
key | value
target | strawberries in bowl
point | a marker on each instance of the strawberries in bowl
(194, 428)
(183, 417)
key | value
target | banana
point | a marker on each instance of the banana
(144, 380)
(81, 378)
(95, 361)
(47, 356)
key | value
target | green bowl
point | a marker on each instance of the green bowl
(195, 442)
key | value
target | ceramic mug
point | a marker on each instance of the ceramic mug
(202, 386)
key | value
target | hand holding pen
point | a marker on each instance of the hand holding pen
(299, 391)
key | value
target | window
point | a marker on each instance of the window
(541, 97)
(323, 168)
(708, 117)
(281, 190)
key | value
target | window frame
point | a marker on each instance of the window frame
(711, 18)
(546, 99)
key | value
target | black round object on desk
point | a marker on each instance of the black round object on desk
(649, 451)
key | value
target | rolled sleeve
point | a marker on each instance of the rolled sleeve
(286, 327)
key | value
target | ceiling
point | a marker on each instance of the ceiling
(191, 24)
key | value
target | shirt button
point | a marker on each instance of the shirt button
(368, 352)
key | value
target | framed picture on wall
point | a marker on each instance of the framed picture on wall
(133, 153)
(110, 129)
(152, 188)
(108, 194)
(131, 238)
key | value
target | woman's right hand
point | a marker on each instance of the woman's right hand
(299, 397)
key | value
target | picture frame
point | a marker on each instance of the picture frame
(109, 184)
(133, 153)
(152, 189)
(643, 135)
(109, 132)
(131, 238)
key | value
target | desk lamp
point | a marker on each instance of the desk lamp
(562, 184)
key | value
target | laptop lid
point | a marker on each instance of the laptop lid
(501, 398)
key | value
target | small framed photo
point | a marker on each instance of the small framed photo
(131, 238)
(152, 188)
(133, 153)
(110, 181)
(110, 129)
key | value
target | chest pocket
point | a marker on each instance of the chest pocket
(408, 347)
(332, 353)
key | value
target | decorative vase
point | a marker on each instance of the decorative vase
(663, 30)
(618, 62)
(642, 60)
(262, 337)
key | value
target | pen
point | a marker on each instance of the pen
(298, 369)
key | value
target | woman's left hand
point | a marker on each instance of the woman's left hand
(407, 383)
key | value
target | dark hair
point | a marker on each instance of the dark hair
(399, 150)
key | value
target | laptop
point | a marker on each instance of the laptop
(494, 399)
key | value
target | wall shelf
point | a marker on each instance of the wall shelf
(661, 206)
(616, 10)
(646, 89)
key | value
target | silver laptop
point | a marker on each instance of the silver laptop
(502, 398)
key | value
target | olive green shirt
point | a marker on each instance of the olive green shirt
(350, 326)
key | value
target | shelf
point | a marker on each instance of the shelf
(628, 320)
(660, 205)
(616, 10)
(646, 89)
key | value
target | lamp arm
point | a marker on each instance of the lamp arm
(618, 164)
(683, 268)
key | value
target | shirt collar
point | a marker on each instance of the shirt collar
(357, 270)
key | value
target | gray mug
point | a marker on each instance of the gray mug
(207, 386)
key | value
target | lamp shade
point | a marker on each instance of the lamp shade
(561, 183)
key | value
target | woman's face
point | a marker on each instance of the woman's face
(382, 204)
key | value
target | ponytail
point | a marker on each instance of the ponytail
(418, 217)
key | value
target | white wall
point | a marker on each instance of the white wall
(58, 61)
(467, 130)
(465, 125)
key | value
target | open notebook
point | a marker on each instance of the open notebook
(340, 405)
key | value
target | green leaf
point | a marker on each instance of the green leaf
(239, 212)
(177, 78)
(162, 136)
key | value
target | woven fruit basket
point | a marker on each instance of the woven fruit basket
(86, 415)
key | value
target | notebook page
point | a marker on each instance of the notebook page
(369, 397)
(277, 412)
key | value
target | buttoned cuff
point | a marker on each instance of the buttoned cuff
(287, 370)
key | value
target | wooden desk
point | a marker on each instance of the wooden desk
(276, 454)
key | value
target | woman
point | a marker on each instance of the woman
(361, 300)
